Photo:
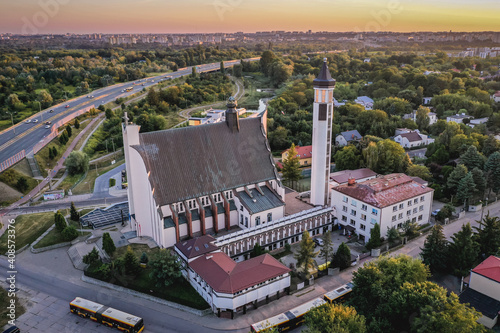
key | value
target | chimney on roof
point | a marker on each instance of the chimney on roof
(351, 181)
(232, 118)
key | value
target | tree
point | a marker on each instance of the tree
(144, 258)
(193, 72)
(153, 98)
(45, 98)
(291, 166)
(434, 253)
(75, 216)
(305, 254)
(222, 68)
(347, 158)
(479, 182)
(68, 129)
(130, 262)
(165, 268)
(265, 61)
(446, 212)
(69, 233)
(472, 158)
(54, 151)
(455, 176)
(77, 162)
(422, 117)
(387, 156)
(419, 171)
(490, 145)
(107, 244)
(63, 138)
(374, 241)
(22, 184)
(463, 251)
(60, 221)
(488, 236)
(280, 72)
(393, 235)
(330, 318)
(51, 154)
(257, 251)
(466, 188)
(77, 124)
(342, 257)
(91, 257)
(326, 251)
(492, 169)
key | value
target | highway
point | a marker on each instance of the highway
(25, 135)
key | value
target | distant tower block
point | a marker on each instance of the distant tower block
(322, 136)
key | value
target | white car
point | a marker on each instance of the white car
(35, 120)
(48, 126)
(28, 121)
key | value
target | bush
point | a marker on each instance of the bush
(60, 222)
(69, 233)
(92, 257)
(144, 258)
(107, 244)
(77, 162)
(112, 182)
(75, 216)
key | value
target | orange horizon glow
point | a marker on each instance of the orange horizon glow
(197, 16)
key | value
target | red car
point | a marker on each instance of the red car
(67, 106)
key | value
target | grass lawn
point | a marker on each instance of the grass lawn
(11, 176)
(54, 237)
(181, 292)
(69, 182)
(4, 302)
(28, 229)
(88, 183)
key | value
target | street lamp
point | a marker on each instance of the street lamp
(40, 109)
(12, 119)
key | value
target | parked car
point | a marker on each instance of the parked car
(318, 241)
(434, 213)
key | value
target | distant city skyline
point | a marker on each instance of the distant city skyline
(197, 16)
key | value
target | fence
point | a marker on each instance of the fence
(12, 160)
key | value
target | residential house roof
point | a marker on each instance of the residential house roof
(351, 135)
(343, 176)
(488, 306)
(302, 152)
(190, 162)
(460, 116)
(489, 268)
(198, 246)
(385, 190)
(412, 136)
(225, 275)
(497, 94)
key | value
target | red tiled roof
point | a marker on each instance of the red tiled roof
(302, 152)
(197, 246)
(489, 268)
(343, 176)
(412, 136)
(385, 191)
(227, 276)
(497, 94)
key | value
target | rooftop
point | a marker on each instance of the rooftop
(198, 246)
(412, 136)
(225, 275)
(343, 176)
(460, 116)
(260, 202)
(385, 190)
(351, 135)
(324, 79)
(488, 306)
(489, 268)
(302, 152)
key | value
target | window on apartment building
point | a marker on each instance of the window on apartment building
(374, 211)
(400, 225)
(354, 203)
(420, 217)
(395, 208)
(415, 201)
(364, 207)
(415, 210)
(344, 199)
(269, 217)
(241, 218)
(353, 223)
(373, 221)
(421, 208)
(190, 204)
(409, 203)
(400, 216)
(394, 218)
(363, 217)
(401, 205)
(422, 198)
(246, 221)
(344, 218)
(218, 197)
(353, 212)
(344, 208)
(257, 220)
(362, 227)
(408, 212)
(241, 207)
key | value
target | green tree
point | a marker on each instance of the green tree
(374, 241)
(342, 257)
(77, 162)
(305, 254)
(75, 216)
(22, 184)
(257, 251)
(492, 170)
(193, 72)
(336, 318)
(54, 151)
(326, 251)
(69, 233)
(422, 117)
(472, 158)
(153, 98)
(265, 61)
(77, 124)
(51, 154)
(441, 156)
(280, 72)
(130, 262)
(347, 158)
(63, 138)
(466, 188)
(60, 221)
(455, 176)
(463, 251)
(435, 250)
(91, 257)
(222, 68)
(479, 183)
(419, 171)
(291, 166)
(165, 268)
(488, 235)
(490, 145)
(68, 129)
(393, 235)
(386, 156)
(107, 244)
(144, 258)
(446, 212)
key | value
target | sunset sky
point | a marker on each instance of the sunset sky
(167, 16)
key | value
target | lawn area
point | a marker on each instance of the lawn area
(28, 229)
(4, 302)
(54, 237)
(11, 176)
(181, 292)
(69, 182)
(87, 184)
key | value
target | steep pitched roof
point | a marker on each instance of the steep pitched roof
(227, 276)
(190, 162)
(489, 268)
(488, 306)
(302, 152)
(324, 79)
(384, 191)
(198, 246)
(351, 135)
(412, 136)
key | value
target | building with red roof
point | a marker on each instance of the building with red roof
(483, 292)
(388, 200)
(303, 153)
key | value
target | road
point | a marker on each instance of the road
(24, 136)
